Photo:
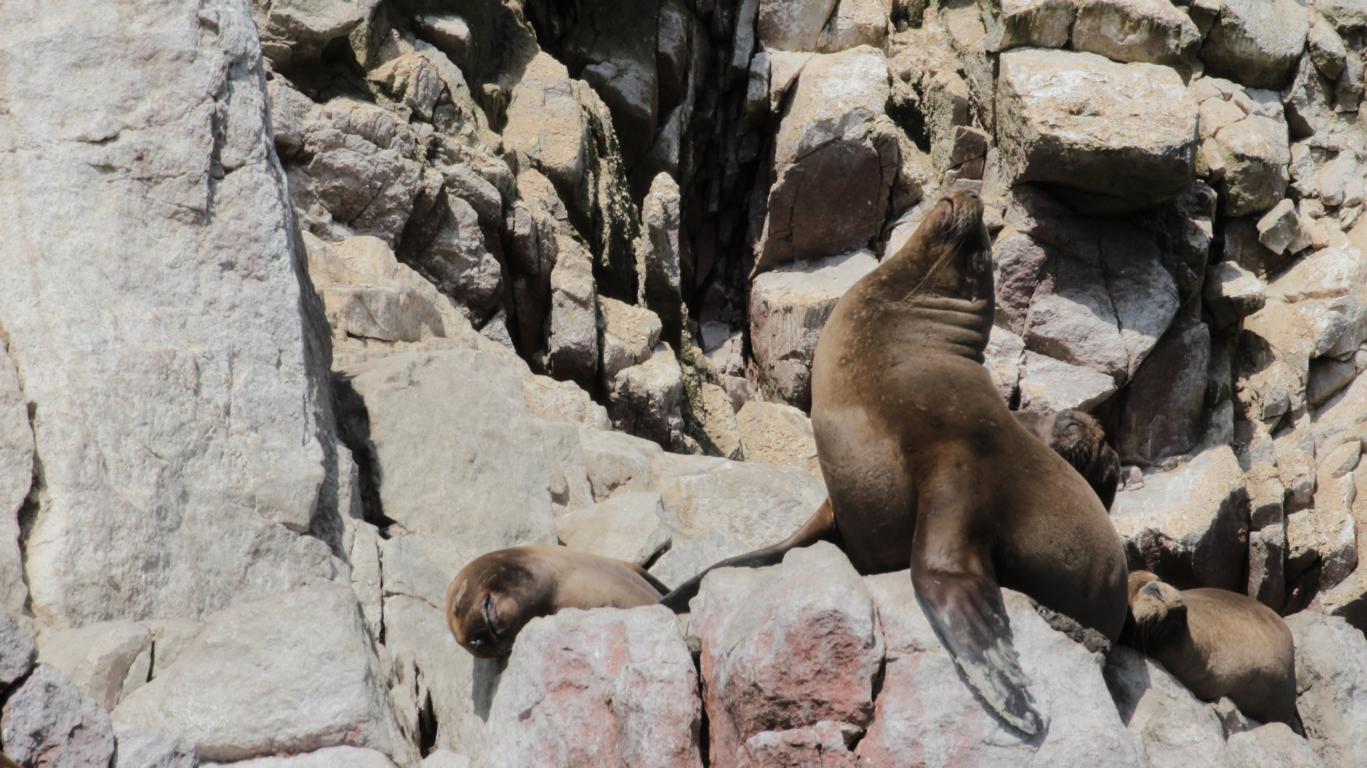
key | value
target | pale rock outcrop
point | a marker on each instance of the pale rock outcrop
(291, 672)
(1004, 358)
(817, 610)
(835, 159)
(197, 490)
(647, 399)
(600, 687)
(1280, 229)
(16, 478)
(296, 31)
(572, 327)
(48, 721)
(546, 120)
(788, 308)
(1331, 678)
(661, 251)
(1257, 42)
(926, 712)
(777, 434)
(824, 25)
(1189, 524)
(629, 335)
(1048, 385)
(1037, 23)
(628, 526)
(1244, 147)
(1154, 31)
(1121, 136)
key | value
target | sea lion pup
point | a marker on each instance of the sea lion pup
(1218, 643)
(1081, 441)
(496, 594)
(926, 466)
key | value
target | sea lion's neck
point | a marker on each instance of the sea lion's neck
(944, 311)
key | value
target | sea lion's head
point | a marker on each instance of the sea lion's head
(1156, 608)
(492, 598)
(950, 251)
(1079, 439)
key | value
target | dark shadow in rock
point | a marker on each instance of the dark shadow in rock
(485, 675)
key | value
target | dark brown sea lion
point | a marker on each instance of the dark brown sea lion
(1218, 643)
(496, 594)
(1081, 441)
(926, 466)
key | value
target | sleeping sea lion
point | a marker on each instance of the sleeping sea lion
(1081, 441)
(496, 594)
(1218, 643)
(926, 466)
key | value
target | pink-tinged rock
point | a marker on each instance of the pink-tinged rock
(822, 745)
(584, 689)
(784, 648)
(48, 722)
(927, 716)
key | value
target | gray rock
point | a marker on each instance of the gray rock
(1190, 524)
(299, 29)
(330, 757)
(1243, 145)
(600, 687)
(1131, 146)
(777, 434)
(1327, 49)
(1173, 728)
(661, 251)
(628, 526)
(788, 308)
(1331, 685)
(1163, 410)
(925, 709)
(1257, 41)
(106, 660)
(793, 26)
(1154, 31)
(1280, 229)
(629, 335)
(546, 119)
(785, 647)
(195, 491)
(1232, 293)
(18, 650)
(646, 400)
(48, 721)
(1016, 23)
(1273, 745)
(1004, 358)
(572, 341)
(1049, 386)
(835, 158)
(616, 462)
(292, 672)
(16, 477)
(137, 748)
(1325, 539)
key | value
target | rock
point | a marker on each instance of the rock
(1038, 23)
(835, 158)
(16, 477)
(661, 251)
(1334, 179)
(785, 647)
(450, 33)
(1257, 41)
(1244, 146)
(18, 651)
(629, 335)
(822, 744)
(446, 243)
(1152, 31)
(616, 462)
(142, 749)
(445, 758)
(553, 400)
(925, 711)
(1190, 524)
(1328, 377)
(777, 434)
(48, 721)
(1267, 563)
(788, 308)
(1069, 118)
(1327, 49)
(1162, 415)
(712, 419)
(792, 27)
(1049, 386)
(158, 504)
(717, 508)
(572, 353)
(601, 687)
(106, 660)
(300, 29)
(292, 672)
(1329, 297)
(368, 294)
(331, 757)
(546, 120)
(1004, 358)
(465, 407)
(1331, 673)
(1172, 726)
(628, 526)
(646, 400)
(1322, 539)
(1231, 293)
(1273, 745)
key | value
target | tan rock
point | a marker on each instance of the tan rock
(777, 434)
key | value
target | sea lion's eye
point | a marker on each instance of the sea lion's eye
(489, 618)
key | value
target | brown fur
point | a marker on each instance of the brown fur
(496, 594)
(1081, 441)
(1218, 643)
(925, 464)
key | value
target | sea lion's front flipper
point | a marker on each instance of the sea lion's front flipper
(960, 596)
(819, 527)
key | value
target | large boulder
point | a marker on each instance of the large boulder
(1189, 524)
(834, 162)
(291, 672)
(1257, 42)
(785, 648)
(1119, 136)
(600, 687)
(172, 359)
(788, 308)
(927, 713)
(1331, 685)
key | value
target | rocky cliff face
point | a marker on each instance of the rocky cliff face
(307, 303)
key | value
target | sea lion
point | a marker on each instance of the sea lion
(496, 594)
(1081, 441)
(926, 466)
(1218, 643)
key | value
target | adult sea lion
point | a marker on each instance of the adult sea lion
(1218, 643)
(926, 466)
(496, 594)
(1081, 441)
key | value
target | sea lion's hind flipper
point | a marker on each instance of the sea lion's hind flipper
(968, 616)
(819, 527)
